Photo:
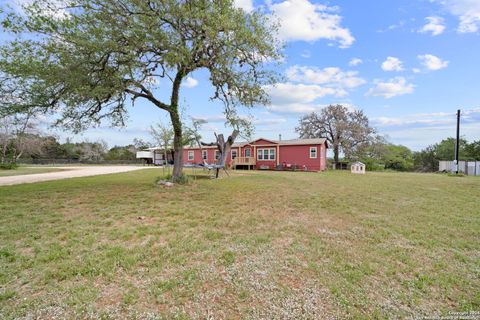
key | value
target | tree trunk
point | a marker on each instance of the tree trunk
(177, 146)
(4, 154)
(177, 127)
(224, 148)
(335, 156)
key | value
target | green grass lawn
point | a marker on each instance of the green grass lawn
(26, 170)
(271, 245)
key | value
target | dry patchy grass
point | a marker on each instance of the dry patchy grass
(257, 245)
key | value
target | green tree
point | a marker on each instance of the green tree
(398, 157)
(346, 131)
(85, 61)
(445, 149)
(121, 153)
(472, 150)
(52, 149)
(381, 154)
(426, 160)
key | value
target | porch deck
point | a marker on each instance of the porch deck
(244, 161)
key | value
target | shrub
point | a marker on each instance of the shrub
(8, 166)
(183, 179)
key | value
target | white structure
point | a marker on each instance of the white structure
(358, 168)
(155, 156)
(471, 168)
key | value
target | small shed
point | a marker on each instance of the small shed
(358, 168)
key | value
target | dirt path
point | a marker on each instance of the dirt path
(67, 172)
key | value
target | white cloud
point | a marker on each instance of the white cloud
(303, 20)
(394, 87)
(392, 64)
(331, 77)
(264, 121)
(190, 82)
(400, 25)
(427, 119)
(409, 121)
(246, 5)
(435, 26)
(309, 84)
(416, 70)
(468, 12)
(211, 118)
(295, 108)
(269, 122)
(299, 108)
(286, 93)
(432, 62)
(355, 62)
(299, 98)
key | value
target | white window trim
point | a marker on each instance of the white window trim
(191, 155)
(231, 154)
(249, 151)
(204, 152)
(261, 151)
(217, 154)
(310, 152)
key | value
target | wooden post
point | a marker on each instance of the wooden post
(255, 154)
(278, 155)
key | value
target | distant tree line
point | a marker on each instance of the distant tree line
(49, 148)
(427, 159)
(21, 140)
(349, 133)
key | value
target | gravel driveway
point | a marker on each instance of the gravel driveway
(69, 172)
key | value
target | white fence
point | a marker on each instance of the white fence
(471, 168)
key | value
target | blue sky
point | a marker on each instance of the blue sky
(408, 64)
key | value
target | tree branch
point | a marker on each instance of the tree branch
(149, 97)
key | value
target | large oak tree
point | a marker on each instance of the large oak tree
(346, 130)
(85, 61)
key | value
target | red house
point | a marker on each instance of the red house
(298, 154)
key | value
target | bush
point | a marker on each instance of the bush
(8, 166)
(183, 179)
(372, 165)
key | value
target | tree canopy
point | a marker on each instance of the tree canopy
(87, 60)
(346, 130)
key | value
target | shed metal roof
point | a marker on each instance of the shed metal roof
(292, 142)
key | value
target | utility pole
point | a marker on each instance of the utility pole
(457, 144)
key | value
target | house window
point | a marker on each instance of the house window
(313, 152)
(272, 154)
(266, 154)
(217, 154)
(190, 155)
(234, 154)
(248, 152)
(204, 155)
